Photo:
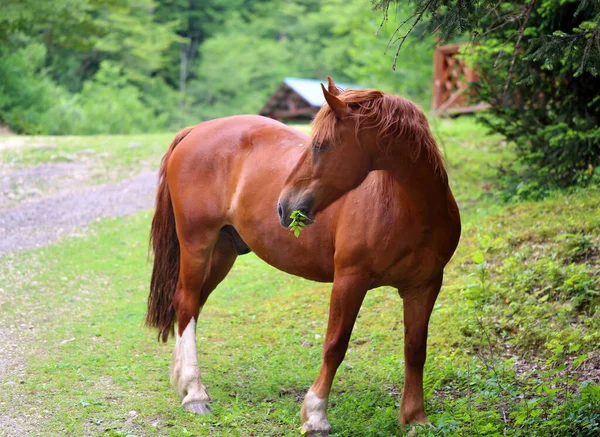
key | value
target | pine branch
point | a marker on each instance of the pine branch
(518, 46)
(419, 15)
(506, 22)
(595, 37)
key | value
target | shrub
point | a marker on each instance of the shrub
(26, 92)
(108, 104)
(30, 102)
(543, 94)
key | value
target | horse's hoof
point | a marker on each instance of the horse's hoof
(415, 431)
(197, 407)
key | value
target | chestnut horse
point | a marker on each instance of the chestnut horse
(373, 176)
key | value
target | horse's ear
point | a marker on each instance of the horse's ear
(339, 108)
(332, 87)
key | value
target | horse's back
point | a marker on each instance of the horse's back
(227, 135)
(218, 155)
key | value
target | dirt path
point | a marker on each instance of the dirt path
(36, 224)
(33, 223)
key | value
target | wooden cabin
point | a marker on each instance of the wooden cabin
(297, 99)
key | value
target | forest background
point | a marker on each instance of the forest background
(138, 66)
(133, 66)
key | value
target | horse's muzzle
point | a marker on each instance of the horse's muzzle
(284, 210)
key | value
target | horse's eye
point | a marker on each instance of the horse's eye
(321, 147)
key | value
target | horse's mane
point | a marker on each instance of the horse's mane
(399, 122)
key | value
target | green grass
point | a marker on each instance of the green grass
(108, 149)
(523, 284)
(107, 157)
(472, 157)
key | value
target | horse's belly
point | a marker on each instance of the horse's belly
(308, 256)
(298, 263)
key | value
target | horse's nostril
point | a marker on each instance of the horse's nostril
(280, 210)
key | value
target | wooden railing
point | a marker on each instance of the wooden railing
(451, 79)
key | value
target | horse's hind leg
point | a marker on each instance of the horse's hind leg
(204, 264)
(418, 305)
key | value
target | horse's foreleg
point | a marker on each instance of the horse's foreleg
(346, 298)
(202, 269)
(418, 305)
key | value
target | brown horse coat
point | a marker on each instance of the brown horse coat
(385, 217)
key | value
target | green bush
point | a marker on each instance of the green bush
(544, 99)
(538, 63)
(528, 288)
(107, 104)
(26, 92)
(30, 102)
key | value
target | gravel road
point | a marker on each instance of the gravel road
(38, 223)
(66, 207)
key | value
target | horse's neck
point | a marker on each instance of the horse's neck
(426, 185)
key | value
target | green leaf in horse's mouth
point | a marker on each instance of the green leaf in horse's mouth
(298, 222)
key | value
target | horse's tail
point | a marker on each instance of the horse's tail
(165, 246)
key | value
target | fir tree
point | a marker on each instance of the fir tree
(539, 61)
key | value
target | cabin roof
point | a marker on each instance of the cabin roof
(310, 89)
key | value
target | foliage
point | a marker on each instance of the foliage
(301, 39)
(531, 277)
(298, 222)
(538, 61)
(178, 62)
(359, 51)
(81, 67)
(557, 138)
(31, 102)
(259, 68)
(195, 22)
(80, 35)
(107, 103)
(26, 91)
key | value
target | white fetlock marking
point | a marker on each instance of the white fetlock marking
(187, 344)
(315, 410)
(185, 374)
